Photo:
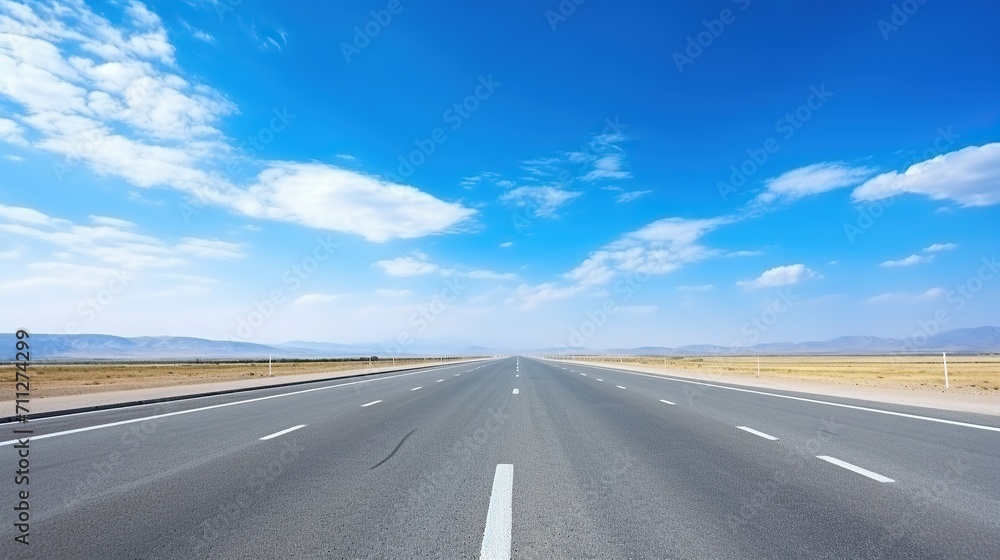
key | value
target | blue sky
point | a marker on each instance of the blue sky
(512, 175)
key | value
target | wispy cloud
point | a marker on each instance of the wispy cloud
(903, 297)
(908, 261)
(939, 247)
(780, 276)
(700, 288)
(629, 196)
(415, 264)
(810, 180)
(658, 248)
(540, 201)
(968, 176)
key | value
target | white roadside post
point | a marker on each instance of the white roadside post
(269, 365)
(944, 357)
(758, 366)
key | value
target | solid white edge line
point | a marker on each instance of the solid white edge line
(282, 432)
(497, 534)
(515, 392)
(667, 402)
(417, 388)
(855, 468)
(757, 433)
(371, 403)
(816, 401)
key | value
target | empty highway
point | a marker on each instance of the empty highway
(512, 457)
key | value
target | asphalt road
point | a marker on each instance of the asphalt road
(518, 456)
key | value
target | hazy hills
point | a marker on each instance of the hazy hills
(107, 347)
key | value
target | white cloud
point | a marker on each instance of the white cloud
(931, 294)
(210, 248)
(780, 276)
(970, 177)
(658, 248)
(328, 197)
(540, 201)
(12, 253)
(701, 288)
(745, 253)
(12, 133)
(630, 196)
(112, 99)
(608, 166)
(392, 293)
(12, 157)
(506, 244)
(109, 241)
(908, 261)
(316, 299)
(812, 179)
(489, 275)
(415, 265)
(938, 247)
(901, 297)
(112, 222)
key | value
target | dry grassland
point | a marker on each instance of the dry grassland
(52, 380)
(966, 374)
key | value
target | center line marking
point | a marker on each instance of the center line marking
(667, 402)
(416, 388)
(497, 536)
(619, 386)
(515, 391)
(371, 403)
(282, 432)
(439, 380)
(756, 433)
(598, 378)
(855, 468)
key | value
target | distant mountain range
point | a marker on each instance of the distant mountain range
(106, 347)
(971, 340)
